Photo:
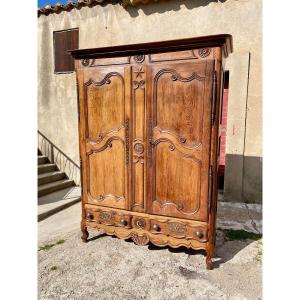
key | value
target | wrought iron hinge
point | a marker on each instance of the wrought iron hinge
(210, 175)
(213, 98)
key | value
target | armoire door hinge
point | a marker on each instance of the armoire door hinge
(213, 97)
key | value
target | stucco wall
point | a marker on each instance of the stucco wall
(113, 25)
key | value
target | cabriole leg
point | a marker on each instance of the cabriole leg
(85, 233)
(208, 261)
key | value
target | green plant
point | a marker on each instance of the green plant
(233, 234)
(49, 246)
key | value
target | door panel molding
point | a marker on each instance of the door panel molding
(182, 128)
(93, 83)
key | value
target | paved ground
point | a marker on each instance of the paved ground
(109, 268)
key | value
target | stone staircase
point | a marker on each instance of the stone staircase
(50, 179)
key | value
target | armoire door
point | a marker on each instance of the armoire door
(104, 135)
(179, 128)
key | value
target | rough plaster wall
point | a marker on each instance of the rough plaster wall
(113, 25)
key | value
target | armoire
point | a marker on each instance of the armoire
(149, 137)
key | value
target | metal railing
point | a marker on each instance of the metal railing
(58, 157)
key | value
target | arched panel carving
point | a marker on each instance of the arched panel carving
(104, 106)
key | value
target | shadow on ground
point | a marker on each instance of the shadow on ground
(225, 250)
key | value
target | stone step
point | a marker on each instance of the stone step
(50, 177)
(42, 160)
(54, 186)
(54, 202)
(46, 168)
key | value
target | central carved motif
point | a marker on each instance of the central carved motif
(177, 228)
(139, 148)
(107, 216)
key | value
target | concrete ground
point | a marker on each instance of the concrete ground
(110, 268)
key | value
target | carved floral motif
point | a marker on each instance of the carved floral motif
(140, 239)
(139, 148)
(107, 216)
(139, 58)
(140, 223)
(138, 84)
(139, 72)
(177, 228)
(87, 62)
(203, 52)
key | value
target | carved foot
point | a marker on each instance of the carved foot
(208, 262)
(85, 234)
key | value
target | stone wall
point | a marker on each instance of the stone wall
(113, 25)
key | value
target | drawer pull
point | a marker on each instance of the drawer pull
(90, 217)
(199, 234)
(123, 222)
(156, 227)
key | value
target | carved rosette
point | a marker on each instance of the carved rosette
(204, 52)
(139, 148)
(140, 239)
(140, 223)
(139, 58)
(87, 62)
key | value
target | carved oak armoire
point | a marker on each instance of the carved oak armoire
(149, 118)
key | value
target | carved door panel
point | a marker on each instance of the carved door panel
(104, 135)
(179, 135)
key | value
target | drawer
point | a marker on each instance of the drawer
(154, 224)
(179, 230)
(108, 217)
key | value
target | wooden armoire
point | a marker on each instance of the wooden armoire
(149, 118)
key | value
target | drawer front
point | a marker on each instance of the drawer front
(108, 217)
(155, 225)
(179, 230)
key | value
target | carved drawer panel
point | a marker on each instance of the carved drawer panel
(140, 223)
(179, 230)
(157, 226)
(108, 217)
